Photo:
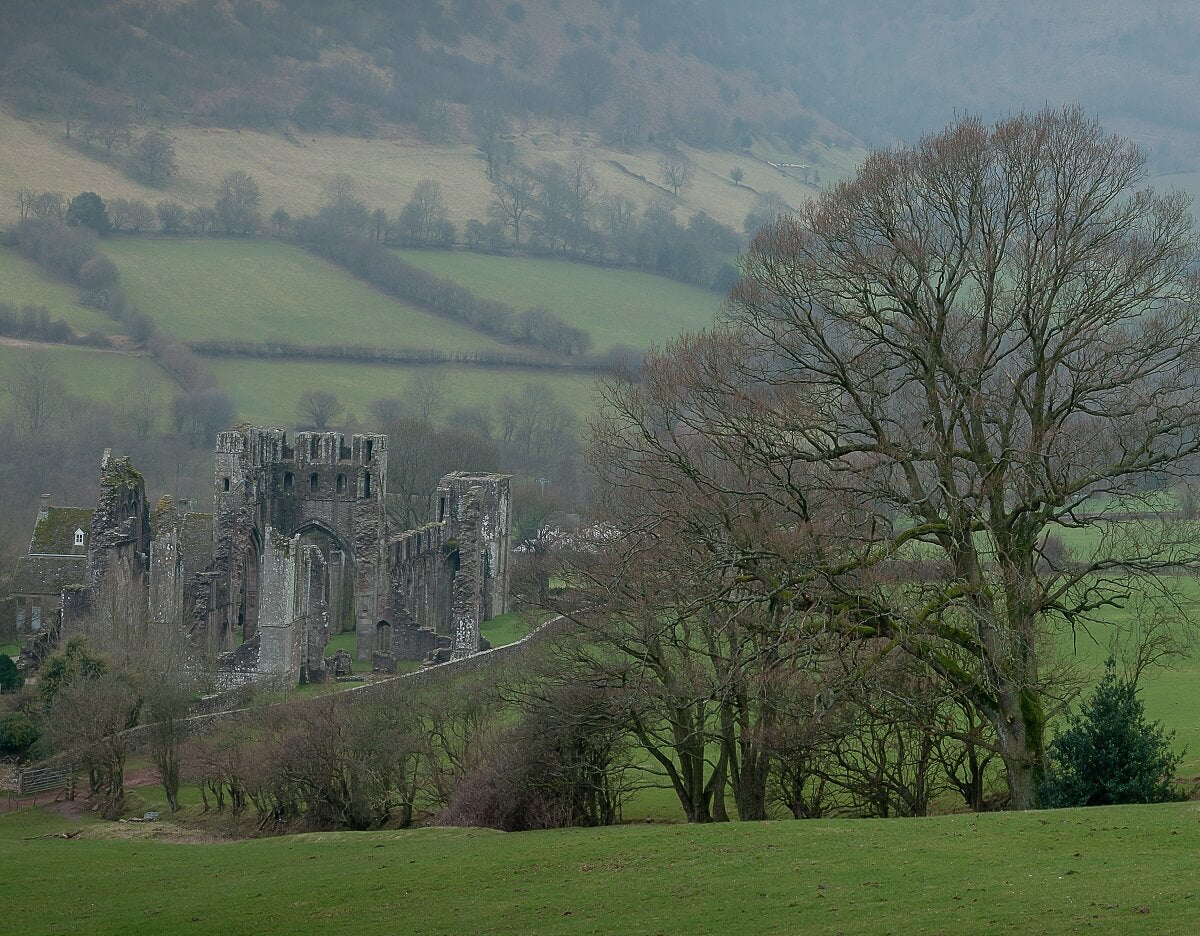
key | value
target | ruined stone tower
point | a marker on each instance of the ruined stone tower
(314, 486)
(298, 550)
(307, 516)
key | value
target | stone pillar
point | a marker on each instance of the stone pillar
(466, 602)
(279, 633)
(315, 615)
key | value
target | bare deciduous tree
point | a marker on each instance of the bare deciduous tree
(489, 125)
(514, 198)
(425, 215)
(154, 156)
(89, 719)
(319, 408)
(941, 360)
(676, 170)
(38, 392)
(141, 216)
(238, 198)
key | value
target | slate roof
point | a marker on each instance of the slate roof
(54, 534)
(47, 575)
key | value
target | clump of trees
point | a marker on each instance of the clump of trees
(425, 220)
(132, 214)
(238, 200)
(532, 432)
(559, 208)
(35, 323)
(951, 352)
(339, 232)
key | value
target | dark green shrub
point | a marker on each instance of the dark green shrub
(1109, 754)
(10, 677)
(88, 209)
(17, 734)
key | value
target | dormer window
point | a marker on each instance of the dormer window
(79, 537)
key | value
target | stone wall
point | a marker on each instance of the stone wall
(280, 625)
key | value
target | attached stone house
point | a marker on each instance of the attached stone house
(57, 558)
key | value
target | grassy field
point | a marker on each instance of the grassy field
(386, 169)
(263, 290)
(615, 306)
(21, 281)
(507, 628)
(96, 375)
(10, 649)
(1120, 869)
(266, 391)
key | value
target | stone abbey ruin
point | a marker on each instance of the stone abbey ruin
(298, 549)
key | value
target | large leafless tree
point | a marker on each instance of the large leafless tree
(926, 373)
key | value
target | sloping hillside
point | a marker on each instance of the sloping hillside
(296, 91)
(386, 168)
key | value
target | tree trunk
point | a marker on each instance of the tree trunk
(1020, 728)
(750, 791)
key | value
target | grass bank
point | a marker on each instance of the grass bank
(1119, 869)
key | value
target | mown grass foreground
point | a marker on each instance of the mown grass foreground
(1120, 869)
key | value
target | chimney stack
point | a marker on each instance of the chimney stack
(44, 509)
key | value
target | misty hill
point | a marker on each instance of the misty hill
(358, 67)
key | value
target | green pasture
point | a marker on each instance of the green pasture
(10, 649)
(264, 290)
(508, 628)
(22, 281)
(266, 391)
(615, 306)
(1120, 869)
(90, 373)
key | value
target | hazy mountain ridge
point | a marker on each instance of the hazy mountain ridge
(352, 67)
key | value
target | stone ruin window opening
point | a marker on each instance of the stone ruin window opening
(314, 447)
(314, 482)
(441, 509)
(383, 637)
(226, 480)
(366, 485)
(344, 453)
(367, 451)
(247, 621)
(288, 480)
(78, 537)
(341, 484)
